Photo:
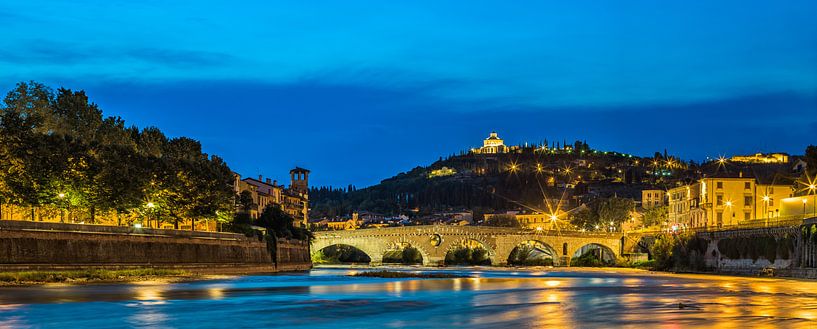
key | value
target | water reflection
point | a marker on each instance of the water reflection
(489, 298)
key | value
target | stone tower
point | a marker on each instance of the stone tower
(299, 180)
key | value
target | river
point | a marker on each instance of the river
(490, 298)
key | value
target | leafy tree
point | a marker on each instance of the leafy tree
(502, 221)
(655, 215)
(811, 160)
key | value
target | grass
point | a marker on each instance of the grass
(26, 277)
(395, 274)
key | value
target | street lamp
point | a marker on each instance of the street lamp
(766, 200)
(62, 210)
(150, 206)
(804, 207)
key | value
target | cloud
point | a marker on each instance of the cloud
(262, 127)
(45, 52)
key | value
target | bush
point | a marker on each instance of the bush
(467, 256)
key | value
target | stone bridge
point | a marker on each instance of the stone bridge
(434, 241)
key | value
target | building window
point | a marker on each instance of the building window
(720, 217)
(747, 201)
(771, 202)
(747, 185)
(719, 185)
(719, 200)
(747, 215)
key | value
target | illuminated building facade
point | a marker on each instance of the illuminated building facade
(653, 198)
(492, 145)
(725, 200)
(293, 200)
(762, 158)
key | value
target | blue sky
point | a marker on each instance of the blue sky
(360, 90)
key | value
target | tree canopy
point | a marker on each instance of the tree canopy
(58, 150)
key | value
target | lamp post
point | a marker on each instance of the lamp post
(804, 207)
(729, 207)
(62, 209)
(766, 200)
(150, 206)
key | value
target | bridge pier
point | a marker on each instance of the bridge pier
(564, 261)
(376, 260)
(434, 261)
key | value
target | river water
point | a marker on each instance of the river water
(490, 298)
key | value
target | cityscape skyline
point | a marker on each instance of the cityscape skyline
(296, 87)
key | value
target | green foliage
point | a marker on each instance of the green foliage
(339, 254)
(281, 224)
(502, 221)
(52, 144)
(768, 247)
(407, 255)
(84, 275)
(602, 212)
(811, 160)
(655, 216)
(529, 255)
(467, 256)
(588, 259)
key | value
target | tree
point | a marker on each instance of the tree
(655, 215)
(276, 221)
(811, 160)
(502, 221)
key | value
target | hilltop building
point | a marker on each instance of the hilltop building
(294, 200)
(492, 145)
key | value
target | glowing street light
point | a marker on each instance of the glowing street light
(728, 203)
(62, 211)
(150, 205)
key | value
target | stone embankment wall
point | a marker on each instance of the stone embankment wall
(292, 255)
(764, 251)
(41, 245)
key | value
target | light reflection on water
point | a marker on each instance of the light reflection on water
(490, 298)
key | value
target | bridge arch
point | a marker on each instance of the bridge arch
(343, 251)
(605, 253)
(454, 251)
(533, 252)
(405, 243)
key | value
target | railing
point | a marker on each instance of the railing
(788, 221)
(103, 229)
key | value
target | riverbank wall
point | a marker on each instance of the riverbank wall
(772, 251)
(55, 246)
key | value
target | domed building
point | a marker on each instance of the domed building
(492, 145)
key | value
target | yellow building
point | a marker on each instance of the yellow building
(804, 206)
(533, 221)
(652, 198)
(492, 145)
(762, 158)
(684, 206)
(725, 200)
(293, 200)
(769, 198)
